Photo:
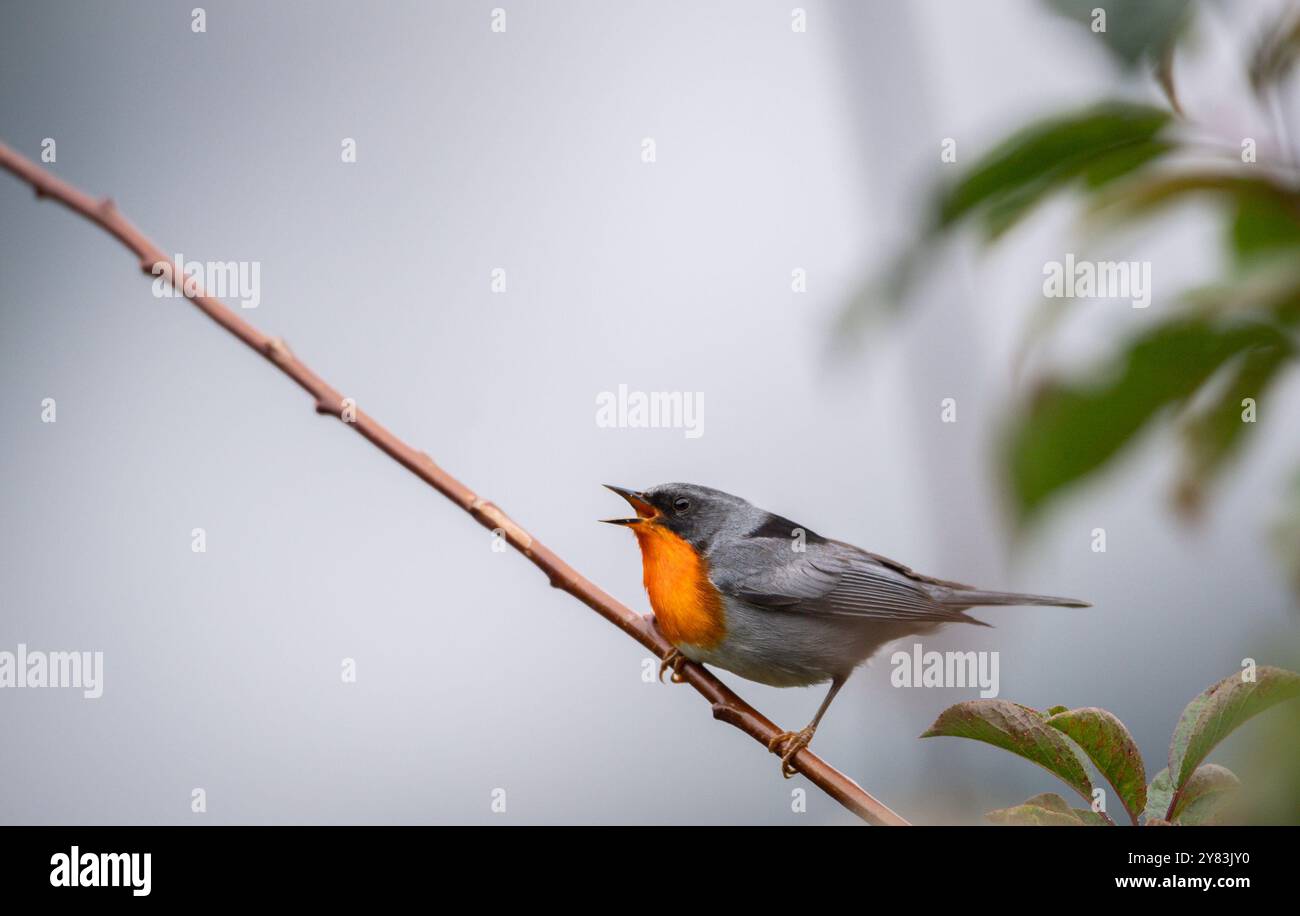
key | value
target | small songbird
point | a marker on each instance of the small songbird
(759, 595)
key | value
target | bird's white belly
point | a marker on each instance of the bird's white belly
(777, 647)
(792, 648)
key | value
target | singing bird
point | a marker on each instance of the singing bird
(738, 587)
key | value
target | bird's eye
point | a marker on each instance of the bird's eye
(681, 504)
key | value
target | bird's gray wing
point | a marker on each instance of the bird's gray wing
(828, 579)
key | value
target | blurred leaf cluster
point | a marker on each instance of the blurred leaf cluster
(1065, 741)
(1208, 357)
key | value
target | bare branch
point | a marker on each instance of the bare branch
(726, 705)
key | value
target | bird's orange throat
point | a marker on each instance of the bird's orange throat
(687, 606)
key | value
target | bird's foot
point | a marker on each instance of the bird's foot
(673, 660)
(787, 744)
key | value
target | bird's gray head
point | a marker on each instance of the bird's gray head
(694, 513)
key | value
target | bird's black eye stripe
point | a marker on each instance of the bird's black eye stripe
(681, 504)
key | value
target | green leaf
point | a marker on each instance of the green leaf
(1027, 815)
(1206, 796)
(1137, 31)
(1100, 143)
(1183, 735)
(1159, 794)
(1212, 434)
(1264, 222)
(1049, 800)
(1070, 429)
(1120, 162)
(1274, 203)
(1209, 810)
(1224, 707)
(1091, 818)
(1044, 810)
(1092, 147)
(1005, 210)
(1266, 286)
(1055, 803)
(1112, 749)
(1017, 729)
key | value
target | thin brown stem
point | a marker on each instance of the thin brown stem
(726, 705)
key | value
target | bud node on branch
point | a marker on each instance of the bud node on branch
(724, 713)
(278, 350)
(492, 517)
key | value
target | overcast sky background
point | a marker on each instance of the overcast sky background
(521, 151)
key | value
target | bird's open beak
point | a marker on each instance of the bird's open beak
(643, 509)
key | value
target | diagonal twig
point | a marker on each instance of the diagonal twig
(727, 706)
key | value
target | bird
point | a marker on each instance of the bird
(753, 593)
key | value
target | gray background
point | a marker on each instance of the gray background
(477, 150)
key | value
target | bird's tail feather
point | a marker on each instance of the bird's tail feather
(976, 598)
